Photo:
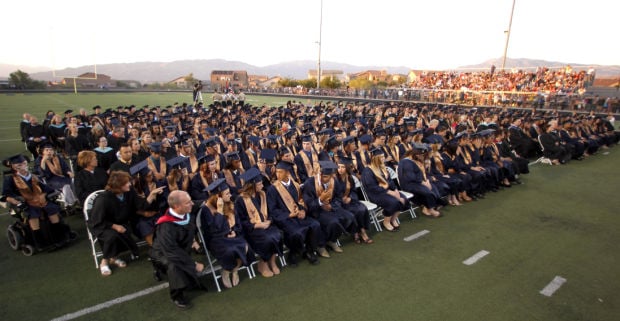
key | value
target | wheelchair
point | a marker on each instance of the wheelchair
(21, 237)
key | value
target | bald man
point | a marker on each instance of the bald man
(174, 234)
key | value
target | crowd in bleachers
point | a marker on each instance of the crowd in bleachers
(264, 178)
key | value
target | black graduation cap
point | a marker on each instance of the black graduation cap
(219, 185)
(306, 138)
(462, 134)
(96, 107)
(155, 147)
(207, 158)
(347, 140)
(252, 175)
(420, 147)
(273, 138)
(210, 142)
(269, 155)
(177, 162)
(47, 145)
(376, 151)
(254, 140)
(232, 156)
(365, 139)
(68, 111)
(285, 166)
(15, 159)
(139, 168)
(344, 160)
(328, 167)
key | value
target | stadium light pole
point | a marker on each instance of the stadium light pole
(318, 71)
(508, 34)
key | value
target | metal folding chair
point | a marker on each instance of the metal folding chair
(376, 212)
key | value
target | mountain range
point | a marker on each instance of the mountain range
(148, 72)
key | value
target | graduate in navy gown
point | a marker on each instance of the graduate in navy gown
(286, 206)
(264, 237)
(319, 196)
(346, 194)
(382, 191)
(223, 233)
(413, 179)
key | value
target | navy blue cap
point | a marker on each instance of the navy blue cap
(285, 165)
(306, 138)
(15, 159)
(138, 168)
(47, 145)
(365, 139)
(269, 155)
(347, 140)
(210, 142)
(252, 175)
(328, 167)
(232, 156)
(345, 160)
(376, 151)
(219, 185)
(68, 111)
(462, 134)
(177, 162)
(420, 147)
(155, 147)
(254, 140)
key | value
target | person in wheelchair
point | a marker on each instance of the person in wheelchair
(111, 217)
(26, 192)
(56, 172)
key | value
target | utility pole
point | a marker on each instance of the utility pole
(318, 71)
(508, 34)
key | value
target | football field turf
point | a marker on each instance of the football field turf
(563, 222)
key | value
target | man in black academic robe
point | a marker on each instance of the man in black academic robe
(172, 245)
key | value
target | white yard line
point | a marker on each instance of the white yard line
(416, 235)
(553, 286)
(105, 305)
(476, 257)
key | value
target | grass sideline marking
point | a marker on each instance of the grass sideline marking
(553, 286)
(473, 259)
(110, 303)
(416, 235)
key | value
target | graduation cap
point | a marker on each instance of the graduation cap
(347, 140)
(376, 151)
(306, 138)
(461, 135)
(219, 185)
(177, 162)
(206, 158)
(171, 128)
(47, 145)
(142, 168)
(344, 160)
(252, 175)
(68, 111)
(269, 155)
(15, 159)
(486, 132)
(262, 127)
(285, 166)
(328, 167)
(210, 142)
(273, 138)
(365, 139)
(232, 156)
(254, 140)
(420, 147)
(155, 147)
(326, 131)
(96, 107)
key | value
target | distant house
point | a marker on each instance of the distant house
(269, 83)
(4, 83)
(254, 80)
(236, 79)
(90, 80)
(180, 82)
(370, 75)
(331, 74)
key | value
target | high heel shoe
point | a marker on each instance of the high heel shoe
(388, 227)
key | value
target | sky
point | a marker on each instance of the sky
(432, 34)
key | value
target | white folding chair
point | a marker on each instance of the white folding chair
(376, 212)
(88, 205)
(408, 195)
(213, 265)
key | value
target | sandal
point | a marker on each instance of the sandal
(118, 262)
(105, 270)
(356, 239)
(367, 240)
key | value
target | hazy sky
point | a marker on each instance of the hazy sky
(432, 34)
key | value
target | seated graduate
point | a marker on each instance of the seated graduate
(172, 244)
(23, 184)
(307, 160)
(324, 206)
(232, 172)
(56, 172)
(207, 174)
(157, 163)
(346, 194)
(286, 207)
(90, 178)
(112, 215)
(382, 191)
(178, 176)
(552, 146)
(223, 232)
(251, 208)
(413, 179)
(143, 183)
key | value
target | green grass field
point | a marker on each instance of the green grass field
(562, 222)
